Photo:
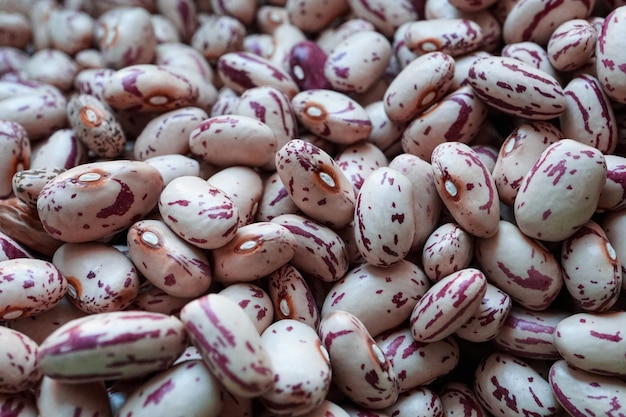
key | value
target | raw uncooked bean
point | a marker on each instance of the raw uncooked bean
(12, 60)
(88, 59)
(100, 278)
(149, 88)
(53, 67)
(235, 406)
(233, 140)
(357, 411)
(173, 166)
(15, 155)
(458, 398)
(426, 201)
(29, 287)
(360, 160)
(420, 84)
(466, 188)
(183, 57)
(61, 399)
(27, 183)
(182, 13)
(508, 386)
(254, 301)
(313, 16)
(61, 150)
(16, 30)
(396, 290)
(167, 261)
(572, 44)
(164, 29)
(489, 318)
(589, 116)
(261, 44)
(592, 342)
(613, 196)
(92, 81)
(517, 88)
(124, 190)
(226, 103)
(201, 214)
(243, 70)
(285, 38)
(332, 115)
(613, 225)
(19, 367)
(361, 370)
(462, 65)
(450, 36)
(584, 393)
(125, 36)
(22, 404)
(472, 5)
(332, 36)
(155, 300)
(244, 187)
(217, 36)
(448, 249)
(383, 218)
(532, 54)
(560, 193)
(592, 271)
(417, 363)
(315, 183)
(447, 305)
(457, 117)
(95, 126)
(530, 334)
(385, 132)
(119, 344)
(71, 31)
(291, 296)
(536, 20)
(402, 54)
(306, 65)
(39, 13)
(320, 252)
(517, 155)
(302, 380)
(520, 266)
(256, 250)
(10, 249)
(418, 402)
(610, 55)
(385, 16)
(269, 17)
(275, 200)
(242, 10)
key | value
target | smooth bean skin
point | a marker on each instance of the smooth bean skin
(11, 249)
(448, 249)
(609, 53)
(172, 166)
(19, 405)
(27, 183)
(291, 296)
(58, 398)
(244, 186)
(489, 318)
(457, 397)
(19, 365)
(420, 401)
(571, 44)
(16, 156)
(254, 301)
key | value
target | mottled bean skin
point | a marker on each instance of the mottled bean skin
(448, 249)
(609, 52)
(291, 296)
(19, 365)
(15, 156)
(254, 301)
(79, 400)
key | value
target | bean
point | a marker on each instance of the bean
(385, 16)
(217, 36)
(20, 370)
(457, 397)
(532, 54)
(10, 249)
(451, 36)
(489, 318)
(448, 249)
(72, 30)
(608, 53)
(571, 45)
(19, 405)
(14, 140)
(62, 150)
(16, 30)
(63, 399)
(254, 301)
(306, 65)
(299, 13)
(420, 401)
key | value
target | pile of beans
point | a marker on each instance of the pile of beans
(312, 208)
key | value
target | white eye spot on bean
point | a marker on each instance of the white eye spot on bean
(89, 177)
(314, 112)
(150, 238)
(284, 308)
(298, 72)
(429, 47)
(610, 251)
(429, 97)
(327, 179)
(380, 356)
(71, 291)
(248, 245)
(276, 17)
(91, 116)
(158, 100)
(451, 188)
(15, 314)
(509, 145)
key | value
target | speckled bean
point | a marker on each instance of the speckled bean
(385, 132)
(275, 199)
(19, 405)
(173, 166)
(291, 296)
(70, 31)
(448, 249)
(217, 36)
(360, 160)
(613, 196)
(385, 16)
(306, 63)
(15, 155)
(78, 400)
(27, 184)
(92, 81)
(312, 16)
(119, 344)
(450, 36)
(19, 367)
(61, 150)
(532, 54)
(254, 301)
(572, 44)
(242, 10)
(418, 402)
(10, 249)
(458, 398)
(164, 29)
(489, 318)
(154, 300)
(610, 55)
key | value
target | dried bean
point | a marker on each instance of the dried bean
(450, 36)
(19, 367)
(62, 150)
(385, 16)
(489, 318)
(59, 398)
(217, 36)
(15, 156)
(448, 249)
(291, 296)
(244, 186)
(312, 16)
(572, 44)
(254, 301)
(609, 54)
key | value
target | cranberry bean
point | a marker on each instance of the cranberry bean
(385, 132)
(420, 401)
(609, 48)
(10, 249)
(64, 399)
(459, 398)
(92, 81)
(27, 184)
(572, 44)
(612, 196)
(244, 186)
(450, 36)
(333, 36)
(154, 300)
(462, 66)
(19, 405)
(306, 65)
(12, 59)
(532, 54)
(217, 36)
(402, 54)
(360, 160)
(385, 16)
(71, 31)
(182, 56)
(254, 301)
(19, 367)
(448, 249)
(62, 150)
(15, 156)
(242, 10)
(261, 44)
(285, 38)
(164, 29)
(312, 16)
(487, 321)
(275, 200)
(291, 296)
(182, 13)
(39, 12)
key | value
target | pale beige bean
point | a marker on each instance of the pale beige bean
(39, 12)
(572, 44)
(385, 132)
(269, 17)
(15, 156)
(92, 81)
(172, 166)
(182, 56)
(62, 150)
(360, 160)
(20, 405)
(459, 399)
(612, 196)
(71, 31)
(182, 13)
(88, 59)
(254, 301)
(532, 54)
(312, 16)
(244, 186)
(291, 296)
(609, 52)
(275, 200)
(56, 398)
(489, 318)
(19, 367)
(332, 36)
(385, 16)
(462, 65)
(418, 402)
(448, 249)
(217, 36)
(450, 36)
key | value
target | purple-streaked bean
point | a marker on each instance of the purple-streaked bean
(242, 10)
(600, 293)
(218, 36)
(269, 17)
(235, 406)
(384, 219)
(532, 54)
(609, 53)
(100, 278)
(450, 36)
(613, 196)
(154, 300)
(583, 393)
(201, 214)
(457, 117)
(167, 261)
(536, 20)
(182, 56)
(182, 13)
(70, 31)
(120, 344)
(489, 318)
(315, 183)
(571, 44)
(589, 117)
(29, 287)
(22, 404)
(95, 125)
(385, 133)
(613, 225)
(12, 59)
(285, 38)
(233, 140)
(254, 301)
(332, 36)
(385, 16)
(488, 155)
(16, 30)
(417, 363)
(207, 93)
(520, 266)
(447, 305)
(306, 65)
(458, 398)
(19, 367)
(15, 156)
(125, 36)
(61, 150)
(11, 249)
(256, 250)
(149, 87)
(302, 380)
(420, 84)
(462, 65)
(291, 296)
(402, 54)
(361, 370)
(466, 188)
(92, 81)
(472, 5)
(358, 62)
(418, 402)
(244, 186)
(517, 155)
(508, 386)
(448, 249)
(78, 400)
(168, 133)
(226, 103)
(319, 252)
(230, 344)
(125, 192)
(261, 44)
(275, 200)
(517, 88)
(360, 160)
(164, 29)
(530, 334)
(560, 193)
(313, 16)
(332, 115)
(88, 59)
(593, 342)
(396, 290)
(243, 70)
